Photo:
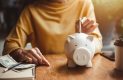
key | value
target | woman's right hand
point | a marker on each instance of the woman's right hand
(30, 56)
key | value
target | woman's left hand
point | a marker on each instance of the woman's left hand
(88, 26)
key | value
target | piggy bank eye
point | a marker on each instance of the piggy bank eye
(75, 45)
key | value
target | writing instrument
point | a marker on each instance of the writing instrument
(11, 67)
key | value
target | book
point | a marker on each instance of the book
(12, 70)
(26, 74)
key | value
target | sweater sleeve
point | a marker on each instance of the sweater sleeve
(19, 35)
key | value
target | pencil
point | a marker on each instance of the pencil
(11, 67)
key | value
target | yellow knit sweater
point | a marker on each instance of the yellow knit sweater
(46, 25)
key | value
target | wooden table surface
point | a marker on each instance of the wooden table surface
(103, 69)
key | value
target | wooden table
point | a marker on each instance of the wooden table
(103, 69)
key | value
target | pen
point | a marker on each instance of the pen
(11, 67)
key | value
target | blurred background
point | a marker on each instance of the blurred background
(109, 14)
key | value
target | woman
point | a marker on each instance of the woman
(46, 24)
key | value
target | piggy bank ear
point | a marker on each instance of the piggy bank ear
(90, 38)
(70, 37)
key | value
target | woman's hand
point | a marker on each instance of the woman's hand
(87, 26)
(30, 56)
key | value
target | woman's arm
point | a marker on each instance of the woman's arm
(88, 25)
(19, 37)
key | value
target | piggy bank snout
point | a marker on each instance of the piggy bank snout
(81, 56)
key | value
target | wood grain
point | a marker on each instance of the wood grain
(103, 69)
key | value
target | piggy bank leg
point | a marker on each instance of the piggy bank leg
(89, 64)
(71, 63)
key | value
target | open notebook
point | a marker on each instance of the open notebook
(27, 74)
(20, 72)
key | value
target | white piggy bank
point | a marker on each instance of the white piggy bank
(80, 49)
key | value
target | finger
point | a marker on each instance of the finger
(29, 53)
(34, 60)
(86, 23)
(28, 59)
(44, 60)
(83, 24)
(89, 25)
(92, 28)
(32, 54)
